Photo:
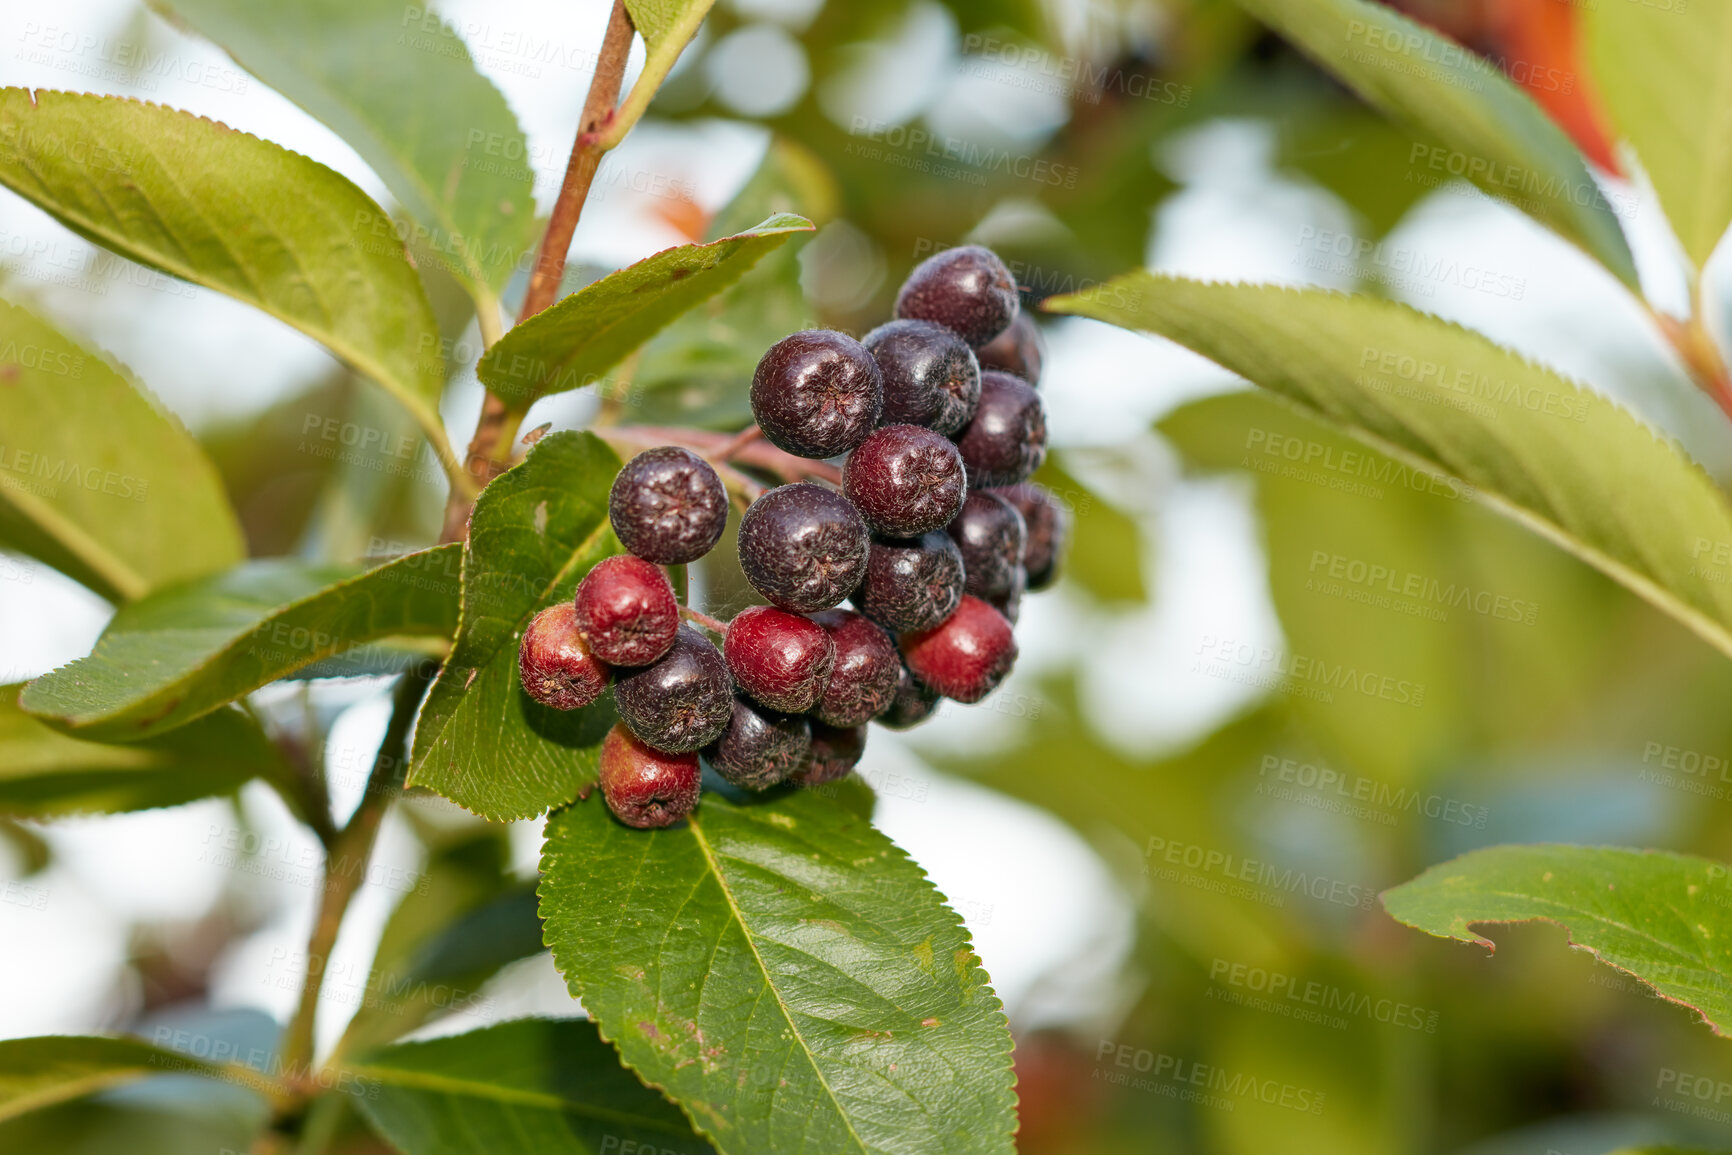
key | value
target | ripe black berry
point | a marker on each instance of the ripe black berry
(803, 547)
(930, 375)
(1006, 441)
(682, 702)
(760, 747)
(668, 506)
(990, 533)
(965, 657)
(966, 289)
(817, 393)
(832, 753)
(905, 480)
(626, 610)
(1048, 529)
(643, 786)
(1009, 603)
(1020, 349)
(553, 663)
(863, 683)
(913, 704)
(911, 584)
(781, 659)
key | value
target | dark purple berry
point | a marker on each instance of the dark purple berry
(905, 480)
(930, 375)
(817, 393)
(781, 659)
(832, 753)
(1020, 349)
(863, 682)
(668, 506)
(1009, 603)
(1048, 530)
(967, 289)
(965, 657)
(760, 747)
(553, 663)
(991, 536)
(643, 786)
(1006, 441)
(803, 547)
(911, 584)
(682, 702)
(626, 610)
(913, 704)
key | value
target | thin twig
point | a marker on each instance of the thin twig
(715, 625)
(756, 454)
(732, 449)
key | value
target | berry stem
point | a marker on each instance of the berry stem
(714, 625)
(755, 453)
(727, 452)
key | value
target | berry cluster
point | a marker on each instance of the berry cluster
(934, 537)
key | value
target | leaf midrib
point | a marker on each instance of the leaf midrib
(126, 581)
(475, 1089)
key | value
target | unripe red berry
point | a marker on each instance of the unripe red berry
(803, 547)
(832, 753)
(930, 375)
(967, 289)
(781, 659)
(668, 506)
(911, 585)
(990, 534)
(683, 701)
(553, 663)
(905, 480)
(760, 747)
(965, 657)
(817, 393)
(627, 611)
(912, 705)
(1020, 349)
(1006, 441)
(863, 684)
(1048, 530)
(643, 786)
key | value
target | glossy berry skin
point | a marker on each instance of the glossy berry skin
(553, 663)
(626, 611)
(930, 375)
(863, 684)
(1009, 603)
(967, 289)
(682, 702)
(991, 536)
(817, 393)
(911, 584)
(803, 547)
(1048, 530)
(760, 747)
(965, 657)
(832, 753)
(905, 480)
(1006, 441)
(913, 704)
(781, 659)
(1020, 350)
(668, 506)
(643, 786)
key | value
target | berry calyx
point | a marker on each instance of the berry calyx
(817, 393)
(553, 663)
(1020, 349)
(967, 289)
(832, 753)
(668, 506)
(627, 611)
(760, 747)
(911, 584)
(912, 705)
(905, 480)
(863, 682)
(781, 659)
(643, 786)
(966, 656)
(1006, 440)
(683, 701)
(1048, 530)
(990, 534)
(930, 375)
(803, 547)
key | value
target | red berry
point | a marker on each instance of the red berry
(1006, 441)
(990, 533)
(911, 585)
(781, 659)
(1020, 349)
(668, 506)
(863, 684)
(967, 289)
(760, 747)
(683, 701)
(913, 704)
(643, 786)
(930, 375)
(966, 656)
(553, 663)
(626, 610)
(831, 754)
(817, 393)
(905, 480)
(803, 547)
(1048, 530)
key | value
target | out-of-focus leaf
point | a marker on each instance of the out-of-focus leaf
(666, 26)
(32, 849)
(96, 479)
(39, 1072)
(1106, 548)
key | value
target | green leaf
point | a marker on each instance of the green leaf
(1491, 132)
(96, 479)
(182, 653)
(536, 530)
(528, 1087)
(785, 973)
(666, 26)
(574, 342)
(1663, 77)
(47, 774)
(237, 214)
(399, 86)
(1658, 916)
(39, 1072)
(1472, 417)
(1105, 554)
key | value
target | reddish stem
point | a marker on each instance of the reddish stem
(715, 625)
